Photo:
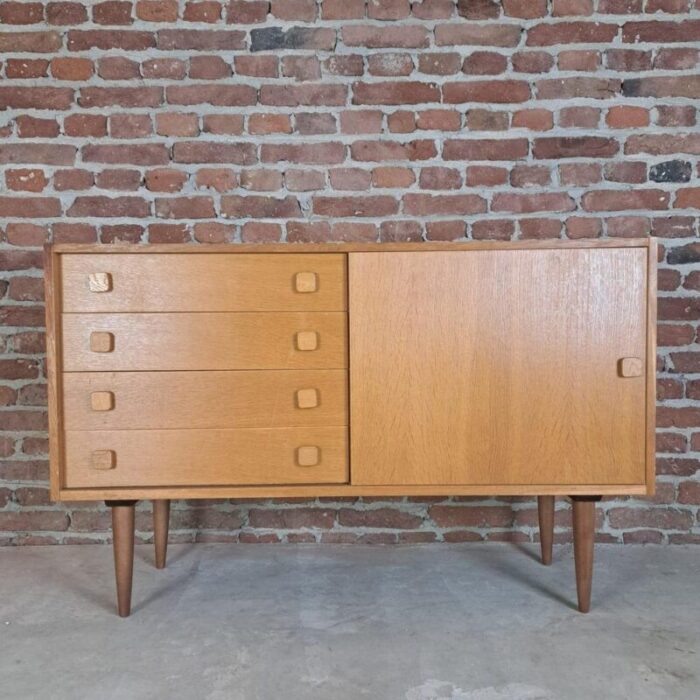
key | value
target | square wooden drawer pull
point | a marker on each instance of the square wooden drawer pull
(100, 282)
(103, 459)
(631, 367)
(102, 400)
(305, 282)
(101, 341)
(307, 340)
(308, 456)
(307, 398)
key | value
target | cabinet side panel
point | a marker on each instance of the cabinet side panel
(652, 264)
(52, 285)
(498, 367)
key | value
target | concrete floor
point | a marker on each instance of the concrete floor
(247, 622)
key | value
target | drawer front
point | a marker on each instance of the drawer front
(203, 341)
(141, 282)
(126, 458)
(256, 399)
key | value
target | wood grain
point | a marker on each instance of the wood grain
(203, 341)
(206, 457)
(497, 367)
(253, 399)
(222, 282)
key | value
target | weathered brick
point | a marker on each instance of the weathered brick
(262, 207)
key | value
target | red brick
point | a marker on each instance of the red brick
(120, 96)
(213, 94)
(177, 124)
(486, 176)
(391, 150)
(37, 153)
(73, 233)
(107, 39)
(32, 127)
(458, 34)
(343, 9)
(96, 206)
(223, 123)
(302, 10)
(439, 119)
(432, 9)
(85, 125)
(670, 334)
(579, 117)
(390, 64)
(487, 120)
(443, 204)
(26, 180)
(168, 233)
(350, 179)
(170, 68)
(165, 180)
(574, 147)
(666, 86)
(121, 233)
(492, 91)
(185, 208)
(565, 8)
(628, 59)
(213, 152)
(529, 203)
(401, 122)
(213, 232)
(625, 117)
(200, 40)
(355, 206)
(23, 234)
(672, 6)
(257, 66)
(439, 63)
(206, 11)
(446, 230)
(438, 178)
(118, 68)
(620, 7)
(327, 153)
(540, 229)
(525, 9)
(485, 149)
(628, 227)
(247, 12)
(571, 33)
(580, 174)
(532, 62)
(614, 200)
(668, 280)
(471, 516)
(663, 144)
(676, 59)
(392, 176)
(314, 123)
(530, 176)
(30, 207)
(118, 179)
(350, 64)
(26, 68)
(219, 179)
(35, 98)
(304, 180)
(209, 68)
(130, 125)
(32, 42)
(112, 12)
(596, 88)
(157, 10)
(21, 12)
(667, 518)
(394, 231)
(133, 154)
(406, 37)
(361, 122)
(66, 13)
(626, 171)
(661, 32)
(295, 95)
(259, 207)
(484, 63)
(579, 60)
(533, 119)
(261, 180)
(378, 518)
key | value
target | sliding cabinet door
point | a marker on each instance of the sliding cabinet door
(513, 367)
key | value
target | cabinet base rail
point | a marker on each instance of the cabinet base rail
(123, 525)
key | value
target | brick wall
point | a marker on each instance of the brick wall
(292, 120)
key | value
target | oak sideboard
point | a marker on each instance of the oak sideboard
(273, 371)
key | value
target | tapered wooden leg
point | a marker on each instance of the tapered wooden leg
(584, 537)
(161, 520)
(545, 513)
(123, 537)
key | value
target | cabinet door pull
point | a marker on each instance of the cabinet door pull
(308, 456)
(307, 398)
(101, 341)
(102, 400)
(307, 340)
(306, 282)
(631, 367)
(103, 459)
(100, 282)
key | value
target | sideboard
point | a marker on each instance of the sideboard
(270, 371)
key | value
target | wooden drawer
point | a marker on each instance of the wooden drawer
(203, 282)
(256, 399)
(132, 458)
(199, 341)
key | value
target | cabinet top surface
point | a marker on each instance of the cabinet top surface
(347, 247)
